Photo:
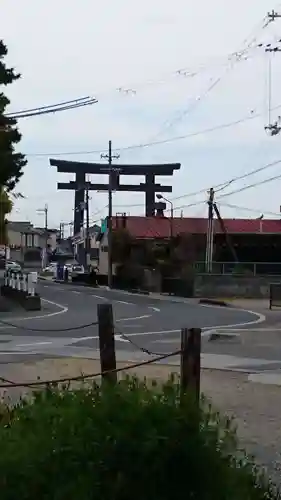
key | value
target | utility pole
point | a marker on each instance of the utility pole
(112, 176)
(62, 224)
(87, 240)
(45, 212)
(273, 128)
(210, 233)
(273, 15)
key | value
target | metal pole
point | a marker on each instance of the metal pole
(111, 187)
(172, 220)
(46, 234)
(210, 232)
(109, 226)
(87, 246)
(211, 208)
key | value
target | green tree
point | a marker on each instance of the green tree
(121, 246)
(6, 206)
(11, 162)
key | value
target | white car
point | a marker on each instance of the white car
(77, 269)
(13, 266)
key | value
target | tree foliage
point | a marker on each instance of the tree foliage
(121, 245)
(6, 206)
(130, 441)
(11, 162)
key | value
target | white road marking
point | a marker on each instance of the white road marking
(123, 302)
(79, 339)
(132, 319)
(268, 329)
(33, 344)
(133, 325)
(74, 291)
(94, 337)
(99, 297)
(156, 309)
(119, 338)
(22, 353)
(154, 333)
(63, 309)
(261, 317)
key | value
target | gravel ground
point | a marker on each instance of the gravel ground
(255, 407)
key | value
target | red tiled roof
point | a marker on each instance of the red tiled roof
(160, 227)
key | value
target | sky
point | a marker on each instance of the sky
(160, 71)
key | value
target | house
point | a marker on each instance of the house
(25, 239)
(254, 240)
(79, 244)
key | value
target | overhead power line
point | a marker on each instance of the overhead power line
(241, 54)
(217, 187)
(209, 130)
(53, 108)
(48, 106)
(236, 191)
(249, 186)
(248, 209)
(185, 72)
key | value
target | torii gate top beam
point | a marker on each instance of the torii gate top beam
(65, 166)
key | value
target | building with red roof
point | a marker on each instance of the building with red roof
(254, 240)
(160, 227)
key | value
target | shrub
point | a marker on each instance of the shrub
(130, 442)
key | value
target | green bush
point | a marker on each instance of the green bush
(130, 442)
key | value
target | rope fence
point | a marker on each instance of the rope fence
(190, 354)
(57, 330)
(11, 384)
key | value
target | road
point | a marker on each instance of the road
(141, 322)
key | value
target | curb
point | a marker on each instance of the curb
(74, 283)
(214, 302)
(139, 292)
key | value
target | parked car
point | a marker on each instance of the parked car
(13, 266)
(51, 267)
(76, 269)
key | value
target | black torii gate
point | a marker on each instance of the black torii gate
(80, 169)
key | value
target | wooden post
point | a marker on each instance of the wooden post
(191, 361)
(107, 342)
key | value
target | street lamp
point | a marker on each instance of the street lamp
(161, 197)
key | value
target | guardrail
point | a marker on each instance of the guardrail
(250, 268)
(21, 287)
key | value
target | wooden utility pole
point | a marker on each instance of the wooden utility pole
(112, 177)
(210, 233)
(107, 342)
(191, 361)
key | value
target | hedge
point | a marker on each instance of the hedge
(128, 442)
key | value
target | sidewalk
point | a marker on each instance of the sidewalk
(255, 407)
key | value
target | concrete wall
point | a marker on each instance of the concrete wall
(229, 286)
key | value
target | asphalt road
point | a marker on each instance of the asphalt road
(140, 322)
